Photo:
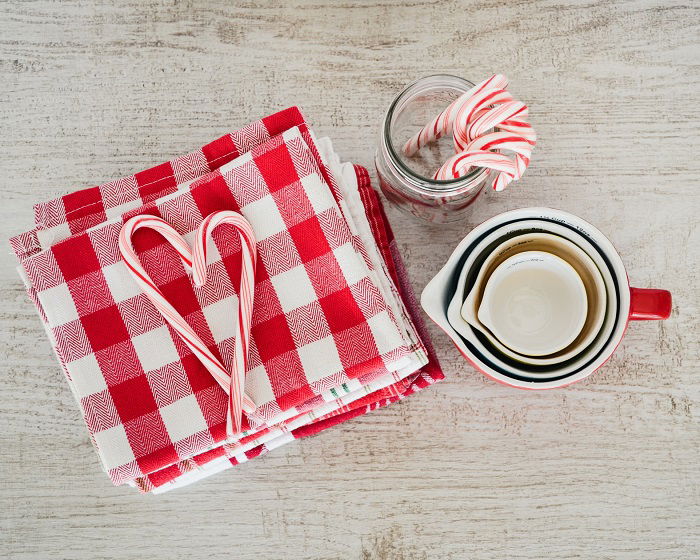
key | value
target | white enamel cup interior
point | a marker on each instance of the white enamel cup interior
(437, 294)
(535, 303)
(558, 245)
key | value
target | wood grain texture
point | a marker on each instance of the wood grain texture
(605, 469)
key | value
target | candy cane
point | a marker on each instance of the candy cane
(485, 122)
(453, 167)
(232, 383)
(445, 120)
(517, 136)
(237, 399)
(474, 108)
(521, 146)
(521, 128)
(485, 119)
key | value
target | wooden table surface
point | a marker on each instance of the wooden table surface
(607, 468)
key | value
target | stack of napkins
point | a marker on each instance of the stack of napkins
(333, 328)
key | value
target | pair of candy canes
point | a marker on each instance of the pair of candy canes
(195, 258)
(486, 107)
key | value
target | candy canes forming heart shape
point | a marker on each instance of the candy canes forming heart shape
(196, 260)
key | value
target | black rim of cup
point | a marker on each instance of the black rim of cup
(471, 278)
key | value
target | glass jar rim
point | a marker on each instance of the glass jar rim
(432, 186)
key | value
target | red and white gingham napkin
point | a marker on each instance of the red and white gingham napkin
(331, 337)
(227, 456)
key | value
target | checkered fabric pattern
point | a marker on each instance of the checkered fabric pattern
(76, 212)
(226, 456)
(153, 411)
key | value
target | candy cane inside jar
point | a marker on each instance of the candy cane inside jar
(417, 145)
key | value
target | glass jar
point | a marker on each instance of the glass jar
(407, 181)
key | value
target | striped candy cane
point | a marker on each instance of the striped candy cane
(454, 167)
(485, 122)
(484, 119)
(444, 122)
(232, 383)
(238, 400)
(480, 152)
(474, 108)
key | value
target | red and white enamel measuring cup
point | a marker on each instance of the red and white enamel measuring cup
(633, 304)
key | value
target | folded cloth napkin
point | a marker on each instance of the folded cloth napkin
(331, 335)
(226, 456)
